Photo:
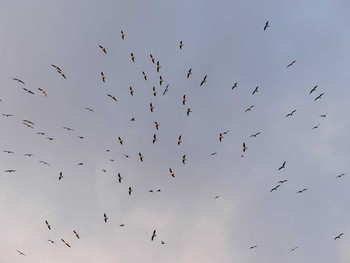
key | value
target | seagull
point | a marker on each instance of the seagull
(249, 108)
(171, 172)
(213, 153)
(28, 91)
(141, 157)
(20, 252)
(68, 129)
(166, 89)
(132, 57)
(293, 249)
(122, 34)
(255, 90)
(10, 171)
(18, 80)
(184, 159)
(154, 91)
(160, 80)
(28, 154)
(154, 138)
(291, 64)
(43, 162)
(61, 176)
(323, 115)
(319, 96)
(65, 242)
(52, 242)
(234, 85)
(153, 235)
(181, 44)
(221, 136)
(244, 147)
(131, 91)
(253, 247)
(316, 126)
(151, 107)
(48, 225)
(120, 140)
(7, 115)
(8, 151)
(313, 89)
(254, 135)
(338, 237)
(283, 181)
(283, 166)
(157, 125)
(204, 80)
(57, 68)
(179, 141)
(144, 75)
(120, 178)
(152, 58)
(275, 188)
(130, 190)
(105, 217)
(43, 92)
(291, 114)
(301, 191)
(112, 97)
(158, 66)
(340, 175)
(76, 234)
(188, 111)
(103, 77)
(184, 100)
(266, 25)
(103, 49)
(189, 73)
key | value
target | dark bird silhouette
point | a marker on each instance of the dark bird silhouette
(103, 49)
(254, 135)
(61, 176)
(141, 157)
(291, 113)
(151, 107)
(319, 96)
(316, 126)
(275, 188)
(7, 115)
(119, 178)
(340, 175)
(112, 97)
(234, 85)
(283, 181)
(301, 191)
(131, 91)
(171, 172)
(154, 91)
(68, 129)
(105, 218)
(184, 100)
(160, 80)
(249, 108)
(204, 80)
(153, 235)
(6, 151)
(323, 115)
(103, 77)
(20, 253)
(162, 242)
(184, 159)
(89, 109)
(43, 92)
(144, 75)
(181, 44)
(65, 242)
(255, 90)
(293, 249)
(132, 57)
(188, 111)
(157, 125)
(122, 34)
(18, 80)
(28, 91)
(313, 89)
(48, 225)
(28, 154)
(179, 140)
(338, 237)
(43, 162)
(189, 73)
(253, 247)
(152, 58)
(244, 147)
(282, 166)
(158, 66)
(120, 140)
(10, 171)
(166, 89)
(266, 25)
(51, 241)
(154, 138)
(130, 190)
(76, 234)
(291, 64)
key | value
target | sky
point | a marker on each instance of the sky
(217, 206)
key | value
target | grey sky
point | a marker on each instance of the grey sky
(224, 40)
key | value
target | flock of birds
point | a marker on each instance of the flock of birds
(141, 157)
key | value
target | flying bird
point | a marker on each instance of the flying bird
(151, 107)
(291, 113)
(18, 80)
(112, 97)
(153, 235)
(275, 188)
(157, 125)
(184, 100)
(253, 247)
(120, 140)
(283, 181)
(152, 58)
(154, 138)
(20, 253)
(154, 91)
(160, 80)
(340, 175)
(249, 108)
(10, 171)
(293, 249)
(179, 140)
(189, 73)
(266, 25)
(188, 111)
(68, 129)
(132, 57)
(323, 115)
(48, 225)
(234, 85)
(313, 89)
(51, 241)
(158, 66)
(76, 234)
(6, 115)
(282, 166)
(254, 135)
(181, 44)
(319, 96)
(103, 77)
(144, 75)
(131, 91)
(103, 49)
(105, 218)
(204, 80)
(28, 91)
(338, 237)
(119, 178)
(42, 91)
(6, 151)
(316, 126)
(65, 242)
(166, 89)
(130, 190)
(61, 176)
(184, 159)
(255, 90)
(171, 172)
(244, 147)
(291, 64)
(141, 157)
(122, 34)
(301, 191)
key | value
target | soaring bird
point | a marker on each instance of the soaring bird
(151, 107)
(291, 113)
(188, 111)
(313, 89)
(323, 115)
(189, 73)
(42, 91)
(160, 80)
(291, 64)
(112, 97)
(132, 57)
(255, 90)
(103, 77)
(171, 172)
(89, 109)
(338, 237)
(162, 242)
(144, 75)
(10, 171)
(266, 25)
(153, 235)
(105, 218)
(179, 141)
(282, 166)
(28, 154)
(158, 66)
(275, 188)
(122, 34)
(340, 175)
(119, 178)
(61, 176)
(20, 252)
(141, 157)
(235, 85)
(283, 181)
(221, 136)
(166, 89)
(249, 108)
(301, 191)
(103, 49)
(120, 140)
(157, 125)
(152, 58)
(18, 80)
(316, 126)
(6, 115)
(181, 44)
(131, 91)
(28, 91)
(319, 96)
(154, 92)
(184, 100)
(68, 129)
(254, 135)
(184, 159)
(130, 190)
(6, 151)
(253, 247)
(244, 147)
(154, 138)
(76, 234)
(48, 225)
(204, 80)
(294, 248)
(51, 241)
(65, 242)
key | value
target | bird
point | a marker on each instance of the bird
(316, 126)
(76, 234)
(275, 188)
(213, 153)
(282, 166)
(301, 191)
(253, 247)
(131, 91)
(291, 113)
(313, 89)
(181, 44)
(204, 80)
(221, 136)
(234, 85)
(121, 225)
(323, 115)
(188, 111)
(166, 89)
(68, 129)
(249, 108)
(291, 64)
(151, 107)
(103, 77)
(184, 100)
(51, 241)
(65, 242)
(244, 147)
(154, 91)
(120, 140)
(216, 197)
(153, 235)
(28, 91)
(132, 57)
(144, 75)
(141, 157)
(48, 225)
(160, 80)
(154, 138)
(319, 96)
(171, 172)
(338, 237)
(293, 249)
(57, 68)
(283, 181)
(255, 90)
(20, 253)
(80, 163)
(184, 159)
(120, 178)
(162, 242)
(6, 151)
(43, 162)
(105, 218)
(43, 92)
(157, 125)
(6, 115)
(179, 140)
(122, 34)
(340, 175)
(152, 58)
(254, 135)
(158, 66)
(10, 171)
(18, 80)
(130, 190)
(112, 97)
(28, 154)
(189, 73)
(266, 25)
(61, 176)
(103, 49)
